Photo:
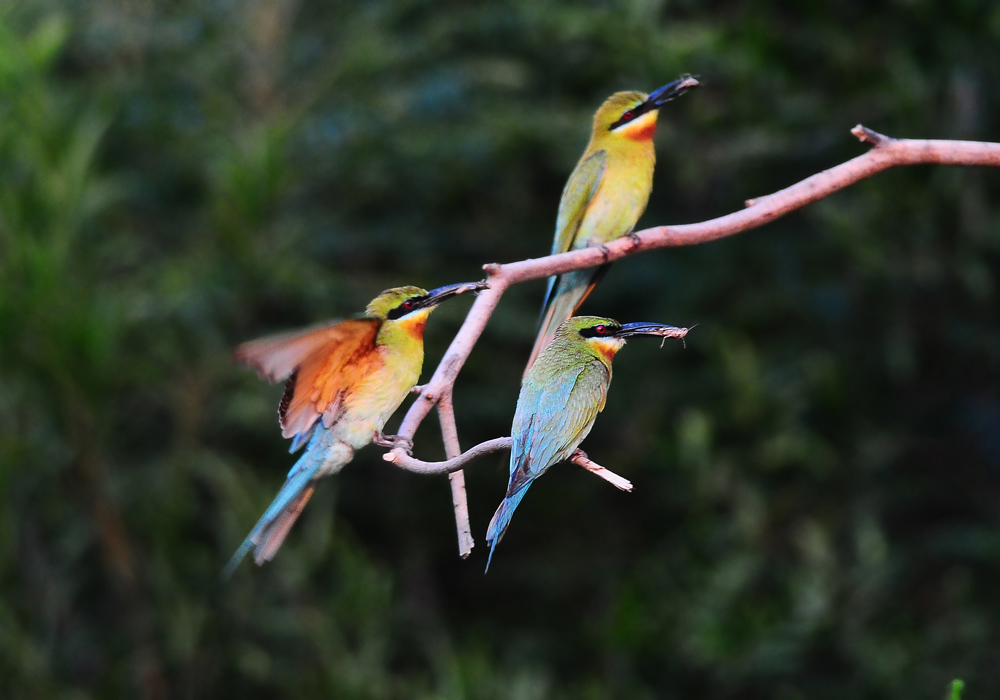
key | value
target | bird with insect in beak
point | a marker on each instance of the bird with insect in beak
(605, 194)
(561, 395)
(344, 380)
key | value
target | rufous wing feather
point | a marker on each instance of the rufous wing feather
(276, 357)
(321, 364)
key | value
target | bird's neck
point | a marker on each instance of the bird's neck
(623, 150)
(605, 349)
(406, 332)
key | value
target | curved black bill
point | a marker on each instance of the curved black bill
(436, 296)
(671, 91)
(660, 330)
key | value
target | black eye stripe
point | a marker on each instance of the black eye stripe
(631, 114)
(607, 330)
(404, 308)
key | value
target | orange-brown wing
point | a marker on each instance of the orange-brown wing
(277, 356)
(321, 364)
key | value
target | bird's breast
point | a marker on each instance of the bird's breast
(377, 396)
(619, 202)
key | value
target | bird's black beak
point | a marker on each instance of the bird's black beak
(671, 91)
(661, 330)
(436, 296)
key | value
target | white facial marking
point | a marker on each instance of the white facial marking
(637, 124)
(613, 344)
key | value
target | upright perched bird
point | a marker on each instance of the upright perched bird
(605, 195)
(560, 398)
(344, 381)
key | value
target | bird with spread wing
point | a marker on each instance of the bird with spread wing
(343, 381)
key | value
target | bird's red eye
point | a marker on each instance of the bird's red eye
(628, 115)
(601, 329)
(408, 304)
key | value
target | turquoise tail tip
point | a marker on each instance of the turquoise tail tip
(236, 559)
(493, 546)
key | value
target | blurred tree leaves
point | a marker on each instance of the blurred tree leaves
(817, 473)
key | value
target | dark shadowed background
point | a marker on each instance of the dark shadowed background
(817, 503)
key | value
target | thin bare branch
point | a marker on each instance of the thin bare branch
(885, 153)
(580, 459)
(866, 135)
(459, 499)
(405, 461)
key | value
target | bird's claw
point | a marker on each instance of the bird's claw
(394, 441)
(605, 252)
(636, 241)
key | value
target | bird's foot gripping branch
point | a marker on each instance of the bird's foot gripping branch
(885, 153)
(394, 442)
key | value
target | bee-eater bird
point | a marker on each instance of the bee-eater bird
(605, 195)
(344, 381)
(560, 398)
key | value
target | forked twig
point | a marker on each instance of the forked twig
(404, 460)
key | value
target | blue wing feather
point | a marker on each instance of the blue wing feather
(551, 420)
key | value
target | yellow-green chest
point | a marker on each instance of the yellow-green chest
(379, 394)
(622, 195)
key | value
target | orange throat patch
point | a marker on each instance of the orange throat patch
(414, 324)
(608, 348)
(642, 129)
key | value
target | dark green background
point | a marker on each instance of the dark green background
(817, 503)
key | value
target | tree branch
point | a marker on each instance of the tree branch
(885, 153)
(581, 459)
(401, 459)
(459, 499)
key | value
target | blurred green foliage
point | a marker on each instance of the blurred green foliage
(817, 504)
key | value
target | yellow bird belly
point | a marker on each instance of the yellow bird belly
(376, 398)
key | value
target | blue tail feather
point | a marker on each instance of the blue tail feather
(299, 479)
(301, 439)
(501, 519)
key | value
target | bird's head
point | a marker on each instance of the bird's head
(632, 115)
(605, 336)
(410, 306)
